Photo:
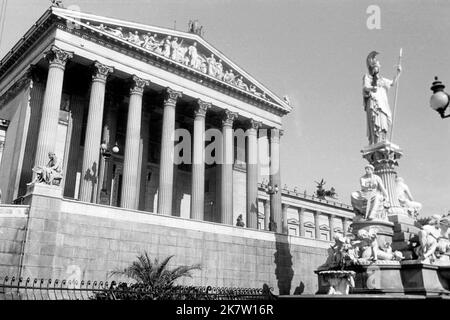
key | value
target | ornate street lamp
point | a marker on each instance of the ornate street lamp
(271, 189)
(440, 99)
(105, 153)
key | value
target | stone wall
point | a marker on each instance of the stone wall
(70, 239)
(13, 222)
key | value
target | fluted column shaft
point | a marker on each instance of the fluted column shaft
(331, 224)
(50, 107)
(317, 224)
(275, 180)
(226, 203)
(91, 155)
(301, 222)
(388, 175)
(285, 219)
(252, 174)
(266, 214)
(132, 141)
(198, 162)
(145, 138)
(167, 153)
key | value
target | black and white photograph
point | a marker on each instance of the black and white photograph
(229, 159)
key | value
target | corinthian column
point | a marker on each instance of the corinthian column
(252, 174)
(226, 193)
(52, 100)
(198, 162)
(167, 147)
(275, 180)
(132, 142)
(89, 181)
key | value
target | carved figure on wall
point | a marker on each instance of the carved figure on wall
(229, 77)
(188, 55)
(134, 38)
(240, 83)
(219, 69)
(166, 47)
(115, 32)
(211, 61)
(150, 41)
(376, 106)
(193, 55)
(49, 174)
(369, 201)
(406, 199)
(434, 243)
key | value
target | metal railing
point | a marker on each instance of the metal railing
(12, 288)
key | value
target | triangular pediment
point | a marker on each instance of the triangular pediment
(188, 50)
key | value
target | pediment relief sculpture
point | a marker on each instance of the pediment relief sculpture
(186, 52)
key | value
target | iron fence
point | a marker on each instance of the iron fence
(12, 288)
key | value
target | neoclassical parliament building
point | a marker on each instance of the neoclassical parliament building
(116, 101)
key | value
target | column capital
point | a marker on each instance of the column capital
(253, 124)
(317, 214)
(202, 107)
(57, 57)
(101, 71)
(276, 134)
(285, 205)
(228, 118)
(171, 96)
(138, 85)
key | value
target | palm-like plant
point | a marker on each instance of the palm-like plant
(155, 274)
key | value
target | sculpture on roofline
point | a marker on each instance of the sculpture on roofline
(49, 174)
(376, 106)
(371, 201)
(321, 193)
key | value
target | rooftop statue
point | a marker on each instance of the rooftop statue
(49, 174)
(369, 201)
(376, 106)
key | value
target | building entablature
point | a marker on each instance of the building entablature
(302, 201)
(89, 35)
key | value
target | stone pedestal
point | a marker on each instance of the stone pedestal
(405, 229)
(396, 278)
(385, 229)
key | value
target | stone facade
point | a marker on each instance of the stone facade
(83, 90)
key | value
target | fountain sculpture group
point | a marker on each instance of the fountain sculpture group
(386, 249)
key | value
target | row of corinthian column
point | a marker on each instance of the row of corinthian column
(132, 164)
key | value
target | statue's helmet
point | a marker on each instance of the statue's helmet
(372, 61)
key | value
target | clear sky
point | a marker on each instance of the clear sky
(314, 51)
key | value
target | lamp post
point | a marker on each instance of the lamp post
(439, 100)
(105, 153)
(271, 190)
